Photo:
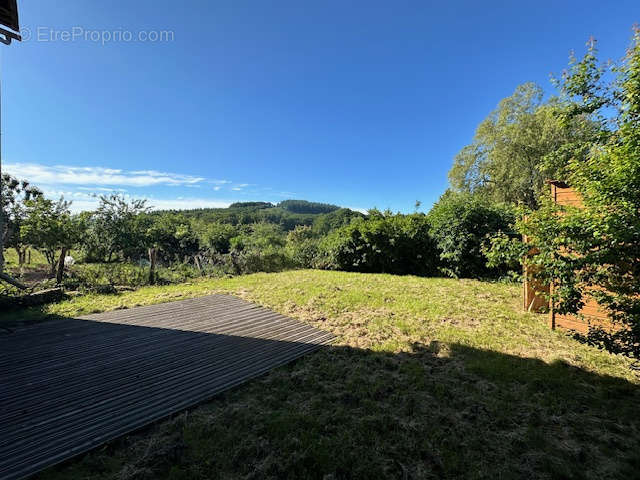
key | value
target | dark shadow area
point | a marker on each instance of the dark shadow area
(439, 411)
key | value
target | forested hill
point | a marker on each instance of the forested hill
(288, 214)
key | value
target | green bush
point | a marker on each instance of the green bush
(258, 237)
(382, 243)
(268, 259)
(103, 277)
(302, 247)
(216, 237)
(324, 224)
(461, 224)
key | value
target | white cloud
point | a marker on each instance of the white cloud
(187, 203)
(238, 187)
(101, 189)
(67, 175)
(358, 209)
(83, 201)
(83, 185)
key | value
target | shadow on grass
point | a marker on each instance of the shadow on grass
(438, 411)
(17, 317)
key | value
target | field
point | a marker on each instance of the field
(429, 378)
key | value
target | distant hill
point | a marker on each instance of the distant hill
(302, 206)
(288, 214)
(252, 205)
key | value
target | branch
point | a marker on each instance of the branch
(15, 283)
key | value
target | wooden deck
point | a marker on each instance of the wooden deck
(70, 384)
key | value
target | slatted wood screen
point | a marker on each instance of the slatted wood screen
(534, 299)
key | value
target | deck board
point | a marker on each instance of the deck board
(71, 384)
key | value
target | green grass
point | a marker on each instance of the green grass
(11, 258)
(429, 378)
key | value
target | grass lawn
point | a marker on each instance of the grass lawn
(429, 378)
(11, 258)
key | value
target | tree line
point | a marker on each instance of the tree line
(248, 238)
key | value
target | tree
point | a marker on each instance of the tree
(302, 246)
(323, 224)
(461, 224)
(49, 228)
(115, 227)
(215, 237)
(595, 251)
(15, 196)
(171, 234)
(506, 161)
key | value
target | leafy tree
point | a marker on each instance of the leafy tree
(507, 161)
(171, 235)
(302, 247)
(595, 251)
(115, 226)
(15, 196)
(259, 237)
(215, 237)
(461, 224)
(49, 228)
(260, 248)
(323, 224)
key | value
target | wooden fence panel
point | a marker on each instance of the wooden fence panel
(593, 313)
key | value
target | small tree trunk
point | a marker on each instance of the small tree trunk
(60, 269)
(3, 230)
(196, 260)
(234, 262)
(152, 266)
(29, 257)
(51, 258)
(22, 254)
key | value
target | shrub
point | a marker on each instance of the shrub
(216, 237)
(382, 243)
(302, 248)
(324, 224)
(103, 277)
(460, 224)
(268, 259)
(258, 236)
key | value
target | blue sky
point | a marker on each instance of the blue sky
(202, 103)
